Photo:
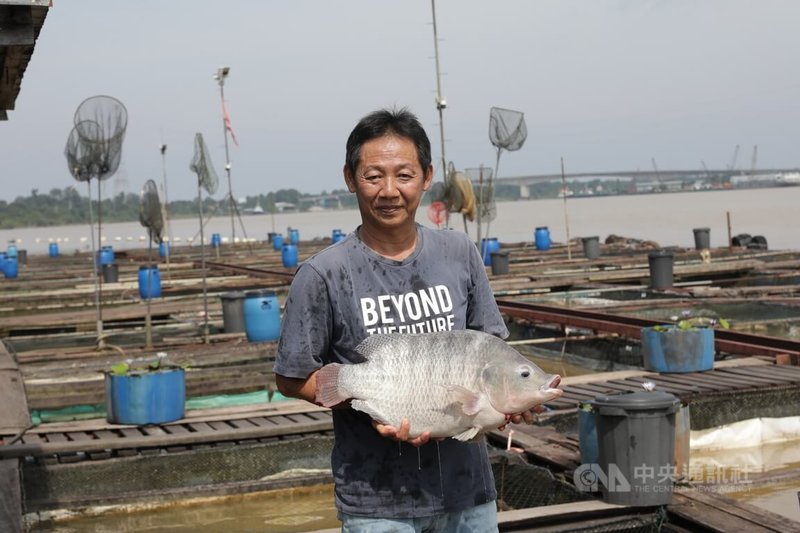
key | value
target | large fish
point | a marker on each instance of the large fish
(453, 384)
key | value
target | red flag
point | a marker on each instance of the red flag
(228, 123)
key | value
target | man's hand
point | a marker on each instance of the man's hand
(401, 435)
(526, 417)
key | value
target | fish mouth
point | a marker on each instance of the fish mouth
(554, 381)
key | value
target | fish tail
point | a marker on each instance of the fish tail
(328, 393)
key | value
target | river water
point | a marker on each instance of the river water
(667, 218)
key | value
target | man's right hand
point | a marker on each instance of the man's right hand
(401, 434)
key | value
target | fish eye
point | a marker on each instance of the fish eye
(525, 372)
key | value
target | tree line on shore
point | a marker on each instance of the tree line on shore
(66, 206)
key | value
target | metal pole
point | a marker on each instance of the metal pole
(165, 206)
(440, 102)
(566, 217)
(221, 75)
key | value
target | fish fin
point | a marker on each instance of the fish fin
(365, 407)
(468, 434)
(377, 345)
(328, 393)
(470, 402)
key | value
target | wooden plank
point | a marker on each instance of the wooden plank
(14, 416)
(737, 382)
(697, 380)
(668, 386)
(784, 373)
(715, 512)
(203, 434)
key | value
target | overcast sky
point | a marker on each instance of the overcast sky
(607, 84)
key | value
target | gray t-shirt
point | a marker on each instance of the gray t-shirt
(347, 292)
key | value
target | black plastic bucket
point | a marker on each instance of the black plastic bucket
(591, 247)
(702, 238)
(233, 311)
(110, 272)
(500, 262)
(660, 269)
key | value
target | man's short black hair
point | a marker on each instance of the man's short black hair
(399, 122)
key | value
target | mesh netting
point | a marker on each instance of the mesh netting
(158, 474)
(726, 408)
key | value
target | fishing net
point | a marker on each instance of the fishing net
(481, 184)
(101, 122)
(507, 130)
(455, 195)
(150, 214)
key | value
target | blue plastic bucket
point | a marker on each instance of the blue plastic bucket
(216, 240)
(277, 241)
(262, 316)
(337, 235)
(12, 250)
(10, 267)
(289, 255)
(105, 256)
(146, 398)
(153, 288)
(163, 249)
(53, 249)
(488, 246)
(542, 238)
(294, 236)
(675, 350)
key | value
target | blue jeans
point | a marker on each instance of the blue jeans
(480, 519)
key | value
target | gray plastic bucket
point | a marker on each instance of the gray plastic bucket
(499, 263)
(702, 238)
(636, 447)
(660, 269)
(110, 273)
(233, 311)
(591, 247)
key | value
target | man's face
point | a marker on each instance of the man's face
(389, 182)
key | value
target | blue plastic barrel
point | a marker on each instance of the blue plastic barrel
(149, 282)
(337, 235)
(262, 316)
(10, 267)
(163, 249)
(289, 255)
(216, 240)
(3, 257)
(146, 398)
(488, 246)
(277, 241)
(105, 256)
(294, 236)
(53, 249)
(12, 250)
(542, 237)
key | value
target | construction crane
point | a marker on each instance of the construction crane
(658, 177)
(733, 159)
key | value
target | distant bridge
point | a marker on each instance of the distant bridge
(637, 176)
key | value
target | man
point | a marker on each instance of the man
(367, 284)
